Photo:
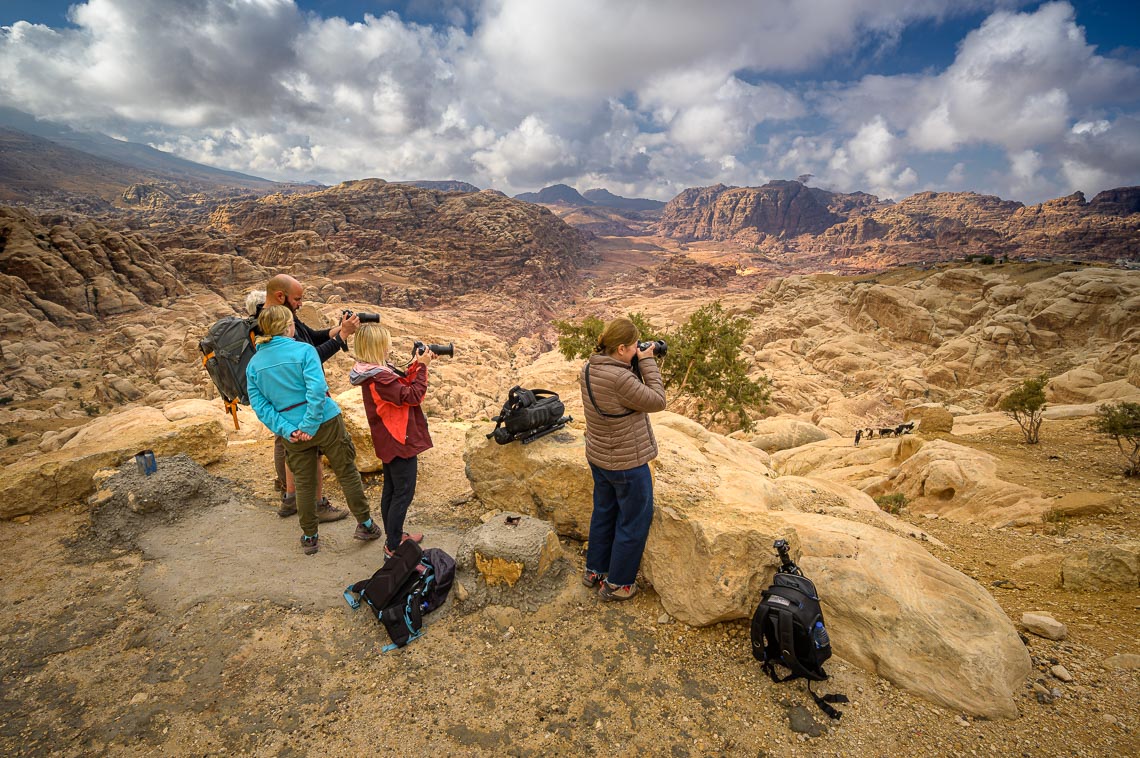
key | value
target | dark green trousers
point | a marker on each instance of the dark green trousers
(333, 440)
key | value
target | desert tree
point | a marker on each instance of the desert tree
(1121, 421)
(703, 365)
(1026, 406)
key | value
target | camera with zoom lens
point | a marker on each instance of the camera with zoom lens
(659, 347)
(418, 348)
(365, 318)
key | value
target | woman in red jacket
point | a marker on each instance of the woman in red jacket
(399, 430)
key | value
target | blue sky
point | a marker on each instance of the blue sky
(1025, 100)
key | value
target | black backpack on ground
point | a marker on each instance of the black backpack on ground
(405, 588)
(528, 415)
(788, 629)
(226, 350)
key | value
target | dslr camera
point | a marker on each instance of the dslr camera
(659, 347)
(418, 348)
(365, 318)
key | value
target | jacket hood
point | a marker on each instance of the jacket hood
(361, 372)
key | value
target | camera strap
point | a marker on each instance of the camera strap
(590, 392)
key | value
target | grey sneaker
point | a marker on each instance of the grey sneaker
(288, 505)
(617, 591)
(326, 511)
(309, 544)
(363, 532)
(592, 578)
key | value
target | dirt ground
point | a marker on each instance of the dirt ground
(218, 637)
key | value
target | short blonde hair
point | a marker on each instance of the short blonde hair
(273, 322)
(372, 343)
(620, 331)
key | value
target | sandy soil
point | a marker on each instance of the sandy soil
(220, 637)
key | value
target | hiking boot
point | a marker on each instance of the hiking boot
(309, 544)
(288, 505)
(592, 578)
(617, 591)
(416, 538)
(366, 533)
(326, 511)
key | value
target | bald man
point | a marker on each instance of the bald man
(283, 289)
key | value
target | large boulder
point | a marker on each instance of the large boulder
(961, 484)
(1107, 567)
(891, 606)
(930, 418)
(62, 477)
(775, 434)
(547, 478)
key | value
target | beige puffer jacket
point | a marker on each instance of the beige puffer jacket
(619, 444)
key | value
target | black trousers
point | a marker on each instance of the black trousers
(399, 489)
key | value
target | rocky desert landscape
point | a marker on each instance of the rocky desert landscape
(982, 593)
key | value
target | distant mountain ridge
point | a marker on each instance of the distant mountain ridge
(605, 197)
(789, 217)
(158, 163)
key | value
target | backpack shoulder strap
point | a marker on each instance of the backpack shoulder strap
(593, 402)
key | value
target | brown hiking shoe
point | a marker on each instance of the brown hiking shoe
(288, 505)
(592, 578)
(326, 511)
(363, 532)
(309, 544)
(617, 591)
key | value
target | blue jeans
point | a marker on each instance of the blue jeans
(619, 525)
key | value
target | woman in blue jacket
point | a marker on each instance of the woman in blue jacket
(289, 394)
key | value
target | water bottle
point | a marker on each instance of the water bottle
(819, 636)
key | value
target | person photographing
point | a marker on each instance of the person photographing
(619, 445)
(288, 392)
(392, 400)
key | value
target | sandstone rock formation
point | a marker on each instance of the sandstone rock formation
(1108, 567)
(860, 232)
(719, 508)
(73, 272)
(395, 244)
(64, 476)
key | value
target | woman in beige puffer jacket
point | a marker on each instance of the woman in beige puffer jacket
(619, 446)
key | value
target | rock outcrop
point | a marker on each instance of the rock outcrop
(860, 232)
(709, 556)
(64, 476)
(408, 246)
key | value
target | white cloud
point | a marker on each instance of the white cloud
(649, 96)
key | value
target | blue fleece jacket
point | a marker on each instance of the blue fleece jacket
(286, 373)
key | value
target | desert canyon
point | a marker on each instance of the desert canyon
(994, 613)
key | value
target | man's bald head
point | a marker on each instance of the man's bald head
(284, 290)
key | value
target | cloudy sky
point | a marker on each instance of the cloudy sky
(1025, 100)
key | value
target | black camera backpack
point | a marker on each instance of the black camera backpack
(410, 584)
(528, 415)
(226, 350)
(788, 629)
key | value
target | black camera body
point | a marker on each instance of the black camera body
(449, 349)
(365, 318)
(659, 347)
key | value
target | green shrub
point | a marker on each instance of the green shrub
(1026, 405)
(1121, 421)
(892, 503)
(704, 362)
